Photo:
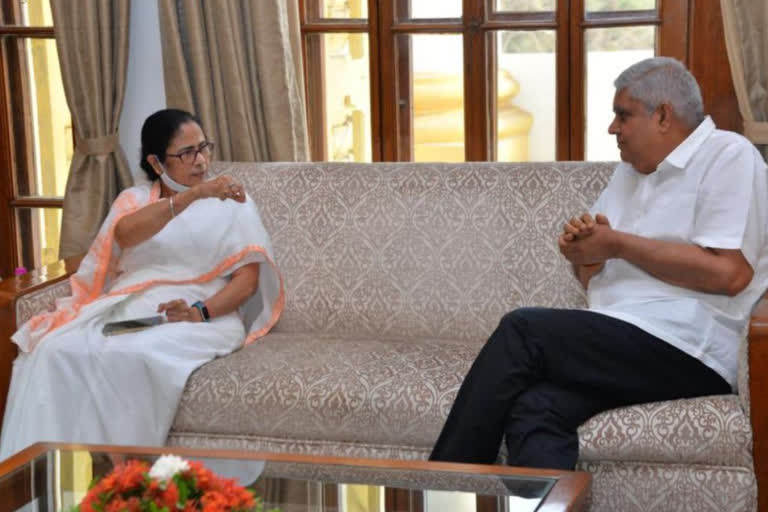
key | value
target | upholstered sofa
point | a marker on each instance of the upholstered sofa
(395, 275)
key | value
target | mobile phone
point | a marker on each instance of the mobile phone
(136, 324)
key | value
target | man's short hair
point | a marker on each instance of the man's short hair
(661, 80)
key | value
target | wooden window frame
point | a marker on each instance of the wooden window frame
(14, 145)
(391, 129)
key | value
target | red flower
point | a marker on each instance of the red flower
(130, 488)
(116, 505)
(214, 501)
(129, 475)
(170, 496)
(203, 477)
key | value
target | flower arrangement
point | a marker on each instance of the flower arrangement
(171, 484)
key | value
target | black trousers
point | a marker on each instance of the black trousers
(544, 372)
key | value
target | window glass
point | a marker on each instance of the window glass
(29, 13)
(525, 95)
(525, 5)
(619, 5)
(343, 9)
(346, 98)
(432, 96)
(43, 119)
(39, 232)
(430, 9)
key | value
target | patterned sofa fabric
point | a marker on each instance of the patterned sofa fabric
(394, 392)
(395, 274)
(380, 392)
(418, 250)
(643, 487)
(709, 430)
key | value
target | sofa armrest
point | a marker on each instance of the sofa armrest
(758, 390)
(10, 291)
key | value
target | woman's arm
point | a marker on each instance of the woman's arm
(244, 283)
(146, 222)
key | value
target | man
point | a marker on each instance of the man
(673, 256)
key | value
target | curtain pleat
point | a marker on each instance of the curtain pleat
(92, 43)
(236, 65)
(746, 38)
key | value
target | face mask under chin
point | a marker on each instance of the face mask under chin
(171, 183)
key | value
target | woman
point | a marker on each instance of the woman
(191, 249)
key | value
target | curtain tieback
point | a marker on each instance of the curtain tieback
(756, 131)
(103, 145)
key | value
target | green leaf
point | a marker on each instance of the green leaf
(184, 487)
(93, 482)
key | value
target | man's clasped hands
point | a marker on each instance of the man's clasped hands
(588, 241)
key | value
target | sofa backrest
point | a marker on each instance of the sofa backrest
(399, 250)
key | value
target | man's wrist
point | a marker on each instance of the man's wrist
(618, 245)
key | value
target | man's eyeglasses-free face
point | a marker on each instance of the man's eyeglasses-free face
(188, 156)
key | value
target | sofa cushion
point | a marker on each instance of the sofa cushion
(393, 392)
(707, 430)
(304, 387)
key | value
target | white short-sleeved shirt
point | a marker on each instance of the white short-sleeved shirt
(711, 191)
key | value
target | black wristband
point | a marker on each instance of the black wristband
(203, 310)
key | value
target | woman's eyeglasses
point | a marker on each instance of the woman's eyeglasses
(188, 156)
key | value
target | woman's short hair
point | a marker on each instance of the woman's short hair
(661, 80)
(157, 132)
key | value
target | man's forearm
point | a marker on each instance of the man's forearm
(685, 265)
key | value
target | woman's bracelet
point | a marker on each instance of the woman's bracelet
(170, 203)
(205, 316)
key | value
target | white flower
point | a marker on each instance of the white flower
(166, 466)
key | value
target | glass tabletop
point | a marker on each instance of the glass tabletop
(57, 479)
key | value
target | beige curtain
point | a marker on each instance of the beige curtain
(92, 43)
(237, 65)
(746, 37)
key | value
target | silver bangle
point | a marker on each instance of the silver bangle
(170, 203)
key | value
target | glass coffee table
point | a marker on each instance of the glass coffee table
(54, 477)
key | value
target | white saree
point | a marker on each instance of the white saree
(71, 383)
